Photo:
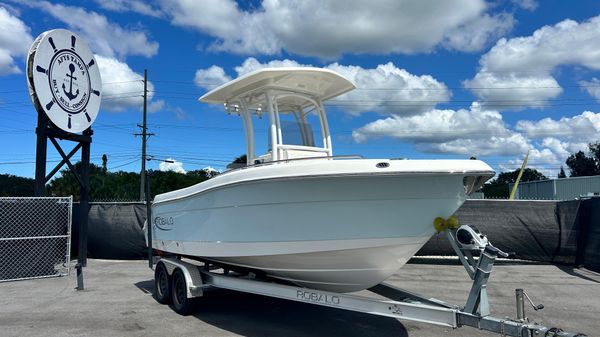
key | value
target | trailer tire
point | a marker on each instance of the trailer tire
(181, 304)
(162, 284)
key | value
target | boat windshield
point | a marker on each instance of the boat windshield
(298, 126)
(297, 133)
(295, 128)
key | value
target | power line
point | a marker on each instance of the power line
(440, 88)
(121, 82)
(128, 163)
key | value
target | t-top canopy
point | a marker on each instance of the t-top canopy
(320, 83)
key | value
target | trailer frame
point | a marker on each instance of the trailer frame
(399, 303)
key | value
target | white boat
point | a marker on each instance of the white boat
(297, 212)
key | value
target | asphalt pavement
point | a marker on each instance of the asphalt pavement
(118, 301)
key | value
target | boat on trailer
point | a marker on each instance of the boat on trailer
(299, 213)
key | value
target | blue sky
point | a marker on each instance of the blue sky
(435, 79)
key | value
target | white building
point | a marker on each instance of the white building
(559, 189)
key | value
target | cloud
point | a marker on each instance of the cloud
(473, 132)
(480, 131)
(475, 34)
(582, 128)
(553, 141)
(211, 77)
(105, 38)
(7, 63)
(235, 30)
(385, 89)
(563, 149)
(251, 64)
(15, 39)
(122, 87)
(136, 6)
(340, 26)
(524, 65)
(175, 166)
(511, 145)
(513, 90)
(566, 42)
(156, 106)
(436, 126)
(529, 5)
(162, 106)
(389, 90)
(592, 87)
(556, 146)
(547, 158)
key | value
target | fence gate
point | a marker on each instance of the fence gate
(35, 237)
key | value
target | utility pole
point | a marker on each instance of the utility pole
(144, 184)
(145, 136)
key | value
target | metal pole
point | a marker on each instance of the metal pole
(83, 209)
(149, 222)
(84, 202)
(520, 305)
(144, 135)
(41, 149)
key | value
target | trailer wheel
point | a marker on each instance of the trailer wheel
(181, 304)
(162, 284)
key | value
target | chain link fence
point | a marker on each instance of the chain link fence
(35, 237)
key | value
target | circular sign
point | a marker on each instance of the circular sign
(64, 80)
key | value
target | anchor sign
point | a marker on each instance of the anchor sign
(70, 94)
(66, 79)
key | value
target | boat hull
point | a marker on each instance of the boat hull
(339, 233)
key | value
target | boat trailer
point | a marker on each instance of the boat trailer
(178, 282)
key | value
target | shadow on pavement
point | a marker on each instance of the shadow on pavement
(145, 286)
(453, 260)
(581, 273)
(255, 315)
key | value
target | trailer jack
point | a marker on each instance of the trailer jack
(467, 239)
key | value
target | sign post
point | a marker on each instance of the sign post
(65, 88)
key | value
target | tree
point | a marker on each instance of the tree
(104, 162)
(581, 165)
(237, 162)
(13, 186)
(562, 173)
(499, 187)
(105, 185)
(595, 151)
(240, 159)
(528, 175)
(123, 185)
